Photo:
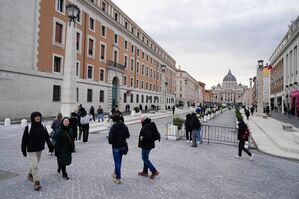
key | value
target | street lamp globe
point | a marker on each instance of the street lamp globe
(260, 64)
(72, 11)
(163, 67)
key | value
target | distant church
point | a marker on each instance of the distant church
(230, 91)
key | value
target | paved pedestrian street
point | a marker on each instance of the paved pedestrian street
(209, 171)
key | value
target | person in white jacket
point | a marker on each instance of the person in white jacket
(85, 120)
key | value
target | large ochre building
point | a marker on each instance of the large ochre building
(116, 61)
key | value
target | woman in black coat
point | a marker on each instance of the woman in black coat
(64, 146)
(243, 134)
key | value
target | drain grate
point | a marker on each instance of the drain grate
(4, 175)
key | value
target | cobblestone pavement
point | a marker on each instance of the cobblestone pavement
(209, 171)
(294, 120)
(227, 118)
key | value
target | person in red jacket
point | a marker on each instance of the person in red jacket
(34, 137)
(243, 135)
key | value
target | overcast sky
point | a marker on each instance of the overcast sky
(208, 37)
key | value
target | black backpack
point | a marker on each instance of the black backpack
(156, 134)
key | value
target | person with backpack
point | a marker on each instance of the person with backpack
(188, 127)
(33, 141)
(55, 126)
(118, 134)
(64, 146)
(148, 134)
(243, 135)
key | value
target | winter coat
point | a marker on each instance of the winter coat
(64, 146)
(74, 124)
(56, 124)
(118, 134)
(242, 127)
(34, 140)
(195, 123)
(188, 123)
(85, 119)
(146, 132)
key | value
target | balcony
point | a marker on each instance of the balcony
(115, 65)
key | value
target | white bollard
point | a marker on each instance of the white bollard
(7, 122)
(23, 123)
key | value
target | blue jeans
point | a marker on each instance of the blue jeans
(101, 117)
(146, 162)
(198, 137)
(117, 157)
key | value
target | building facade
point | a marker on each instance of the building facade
(285, 58)
(230, 91)
(188, 90)
(117, 63)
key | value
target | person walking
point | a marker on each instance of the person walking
(188, 127)
(85, 120)
(91, 112)
(33, 141)
(252, 110)
(247, 113)
(74, 126)
(55, 126)
(100, 114)
(146, 142)
(173, 109)
(118, 134)
(64, 146)
(195, 129)
(243, 135)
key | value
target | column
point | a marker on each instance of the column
(68, 92)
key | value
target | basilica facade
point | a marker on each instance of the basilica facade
(230, 91)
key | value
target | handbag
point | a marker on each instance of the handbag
(52, 134)
(245, 135)
(126, 149)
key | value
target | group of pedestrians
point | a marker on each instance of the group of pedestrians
(146, 141)
(193, 128)
(33, 142)
(64, 134)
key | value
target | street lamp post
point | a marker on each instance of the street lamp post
(260, 107)
(186, 99)
(163, 88)
(68, 94)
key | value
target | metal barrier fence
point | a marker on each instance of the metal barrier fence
(219, 134)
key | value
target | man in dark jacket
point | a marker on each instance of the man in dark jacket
(146, 142)
(117, 138)
(195, 129)
(188, 127)
(34, 137)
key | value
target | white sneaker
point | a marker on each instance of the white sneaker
(239, 157)
(187, 141)
(252, 155)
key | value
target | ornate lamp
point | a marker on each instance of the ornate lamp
(72, 11)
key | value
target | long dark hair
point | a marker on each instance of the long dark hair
(242, 126)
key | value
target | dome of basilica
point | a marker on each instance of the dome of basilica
(229, 77)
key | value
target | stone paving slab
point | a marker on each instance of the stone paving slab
(209, 171)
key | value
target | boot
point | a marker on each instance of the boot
(36, 185)
(30, 177)
(153, 175)
(65, 176)
(143, 174)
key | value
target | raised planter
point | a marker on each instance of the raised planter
(134, 114)
(173, 132)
